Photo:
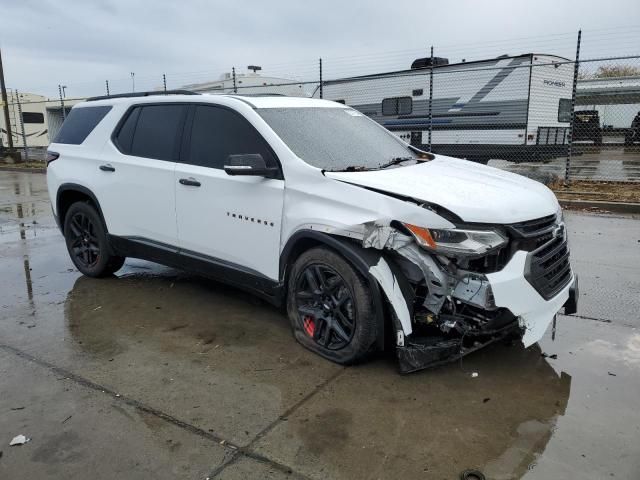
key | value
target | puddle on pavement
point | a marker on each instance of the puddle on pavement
(224, 361)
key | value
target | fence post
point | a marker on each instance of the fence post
(235, 87)
(320, 66)
(430, 98)
(24, 136)
(5, 106)
(164, 81)
(106, 82)
(64, 115)
(576, 68)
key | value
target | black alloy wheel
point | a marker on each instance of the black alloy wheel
(84, 244)
(87, 241)
(325, 306)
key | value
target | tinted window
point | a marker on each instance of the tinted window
(124, 139)
(157, 132)
(32, 117)
(397, 106)
(79, 124)
(564, 110)
(218, 133)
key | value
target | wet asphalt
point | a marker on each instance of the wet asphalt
(156, 373)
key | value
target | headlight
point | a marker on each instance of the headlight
(456, 241)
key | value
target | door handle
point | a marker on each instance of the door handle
(107, 168)
(191, 182)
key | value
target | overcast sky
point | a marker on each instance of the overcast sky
(80, 44)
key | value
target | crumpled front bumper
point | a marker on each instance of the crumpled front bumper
(513, 291)
(510, 290)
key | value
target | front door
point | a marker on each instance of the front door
(233, 220)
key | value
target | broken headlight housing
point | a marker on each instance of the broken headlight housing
(457, 241)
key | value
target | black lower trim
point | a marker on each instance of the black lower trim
(214, 268)
(73, 188)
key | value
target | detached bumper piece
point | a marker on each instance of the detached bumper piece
(425, 352)
(571, 305)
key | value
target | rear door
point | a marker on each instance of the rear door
(230, 220)
(137, 192)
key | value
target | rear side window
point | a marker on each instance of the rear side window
(218, 133)
(397, 106)
(155, 133)
(564, 110)
(124, 138)
(80, 123)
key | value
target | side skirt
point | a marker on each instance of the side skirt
(210, 267)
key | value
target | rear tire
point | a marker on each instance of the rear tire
(330, 307)
(87, 243)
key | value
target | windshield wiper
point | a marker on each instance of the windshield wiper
(396, 161)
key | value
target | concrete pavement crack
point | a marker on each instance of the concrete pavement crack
(248, 450)
(234, 450)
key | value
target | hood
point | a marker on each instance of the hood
(474, 192)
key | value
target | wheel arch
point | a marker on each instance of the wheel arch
(70, 193)
(360, 258)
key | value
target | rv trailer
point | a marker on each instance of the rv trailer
(33, 120)
(515, 108)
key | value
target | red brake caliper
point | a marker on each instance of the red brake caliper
(309, 325)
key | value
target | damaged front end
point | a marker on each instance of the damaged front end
(454, 292)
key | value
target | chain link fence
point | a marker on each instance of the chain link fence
(545, 116)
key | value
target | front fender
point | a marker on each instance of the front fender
(383, 276)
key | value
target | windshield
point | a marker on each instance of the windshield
(336, 138)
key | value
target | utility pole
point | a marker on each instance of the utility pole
(24, 136)
(133, 81)
(106, 82)
(576, 71)
(164, 81)
(5, 106)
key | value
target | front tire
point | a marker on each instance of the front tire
(330, 307)
(87, 243)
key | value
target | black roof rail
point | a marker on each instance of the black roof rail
(143, 94)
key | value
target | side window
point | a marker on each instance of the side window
(564, 110)
(32, 117)
(79, 124)
(397, 106)
(124, 139)
(219, 132)
(157, 131)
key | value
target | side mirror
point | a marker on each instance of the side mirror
(249, 164)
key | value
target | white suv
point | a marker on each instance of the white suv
(313, 206)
